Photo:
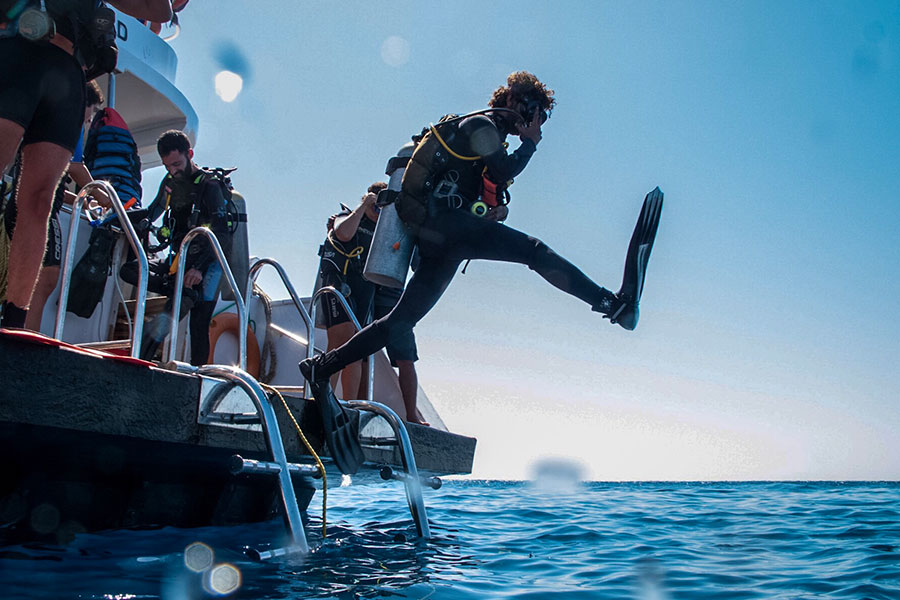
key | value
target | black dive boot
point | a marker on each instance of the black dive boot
(341, 432)
(619, 309)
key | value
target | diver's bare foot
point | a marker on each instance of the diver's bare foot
(420, 422)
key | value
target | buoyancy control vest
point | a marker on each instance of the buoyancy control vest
(446, 166)
(188, 204)
(353, 253)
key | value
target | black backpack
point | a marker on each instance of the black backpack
(222, 177)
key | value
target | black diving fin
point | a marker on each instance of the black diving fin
(626, 313)
(341, 432)
(89, 277)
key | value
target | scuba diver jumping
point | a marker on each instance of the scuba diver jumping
(453, 198)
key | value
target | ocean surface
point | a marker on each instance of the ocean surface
(648, 541)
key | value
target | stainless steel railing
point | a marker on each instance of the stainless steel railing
(307, 319)
(279, 465)
(370, 388)
(68, 262)
(179, 288)
(411, 482)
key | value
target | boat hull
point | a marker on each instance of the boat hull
(91, 443)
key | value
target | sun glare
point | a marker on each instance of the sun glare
(228, 85)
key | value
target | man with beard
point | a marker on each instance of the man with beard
(188, 197)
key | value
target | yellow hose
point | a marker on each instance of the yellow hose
(447, 148)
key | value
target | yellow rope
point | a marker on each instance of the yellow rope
(447, 148)
(309, 448)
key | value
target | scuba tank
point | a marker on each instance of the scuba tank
(392, 244)
(239, 254)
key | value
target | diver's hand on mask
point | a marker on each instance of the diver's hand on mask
(531, 131)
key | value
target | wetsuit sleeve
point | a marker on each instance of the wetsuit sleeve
(503, 167)
(158, 206)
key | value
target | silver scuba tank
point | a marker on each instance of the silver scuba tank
(392, 246)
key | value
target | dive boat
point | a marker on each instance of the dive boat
(93, 438)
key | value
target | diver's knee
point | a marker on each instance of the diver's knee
(541, 255)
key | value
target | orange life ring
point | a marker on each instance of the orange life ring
(228, 323)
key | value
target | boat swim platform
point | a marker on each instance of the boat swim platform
(102, 443)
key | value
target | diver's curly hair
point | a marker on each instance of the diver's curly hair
(376, 187)
(523, 84)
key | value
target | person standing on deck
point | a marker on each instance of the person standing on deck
(188, 197)
(344, 255)
(41, 107)
(78, 173)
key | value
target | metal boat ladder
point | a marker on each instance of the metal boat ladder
(69, 262)
(410, 474)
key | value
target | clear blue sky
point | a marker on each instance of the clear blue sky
(770, 328)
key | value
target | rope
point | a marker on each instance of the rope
(447, 148)
(309, 448)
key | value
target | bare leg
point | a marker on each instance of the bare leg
(45, 285)
(43, 165)
(409, 387)
(352, 373)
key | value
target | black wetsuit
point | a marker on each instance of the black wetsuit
(177, 199)
(451, 235)
(43, 85)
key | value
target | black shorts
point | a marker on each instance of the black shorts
(403, 346)
(355, 289)
(42, 90)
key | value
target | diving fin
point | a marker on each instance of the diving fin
(88, 279)
(626, 313)
(341, 432)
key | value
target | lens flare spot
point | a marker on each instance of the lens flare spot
(395, 51)
(223, 580)
(198, 557)
(228, 85)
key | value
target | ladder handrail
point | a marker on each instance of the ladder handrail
(272, 433)
(307, 319)
(310, 349)
(179, 287)
(413, 487)
(67, 266)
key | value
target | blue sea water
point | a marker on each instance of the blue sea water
(646, 541)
